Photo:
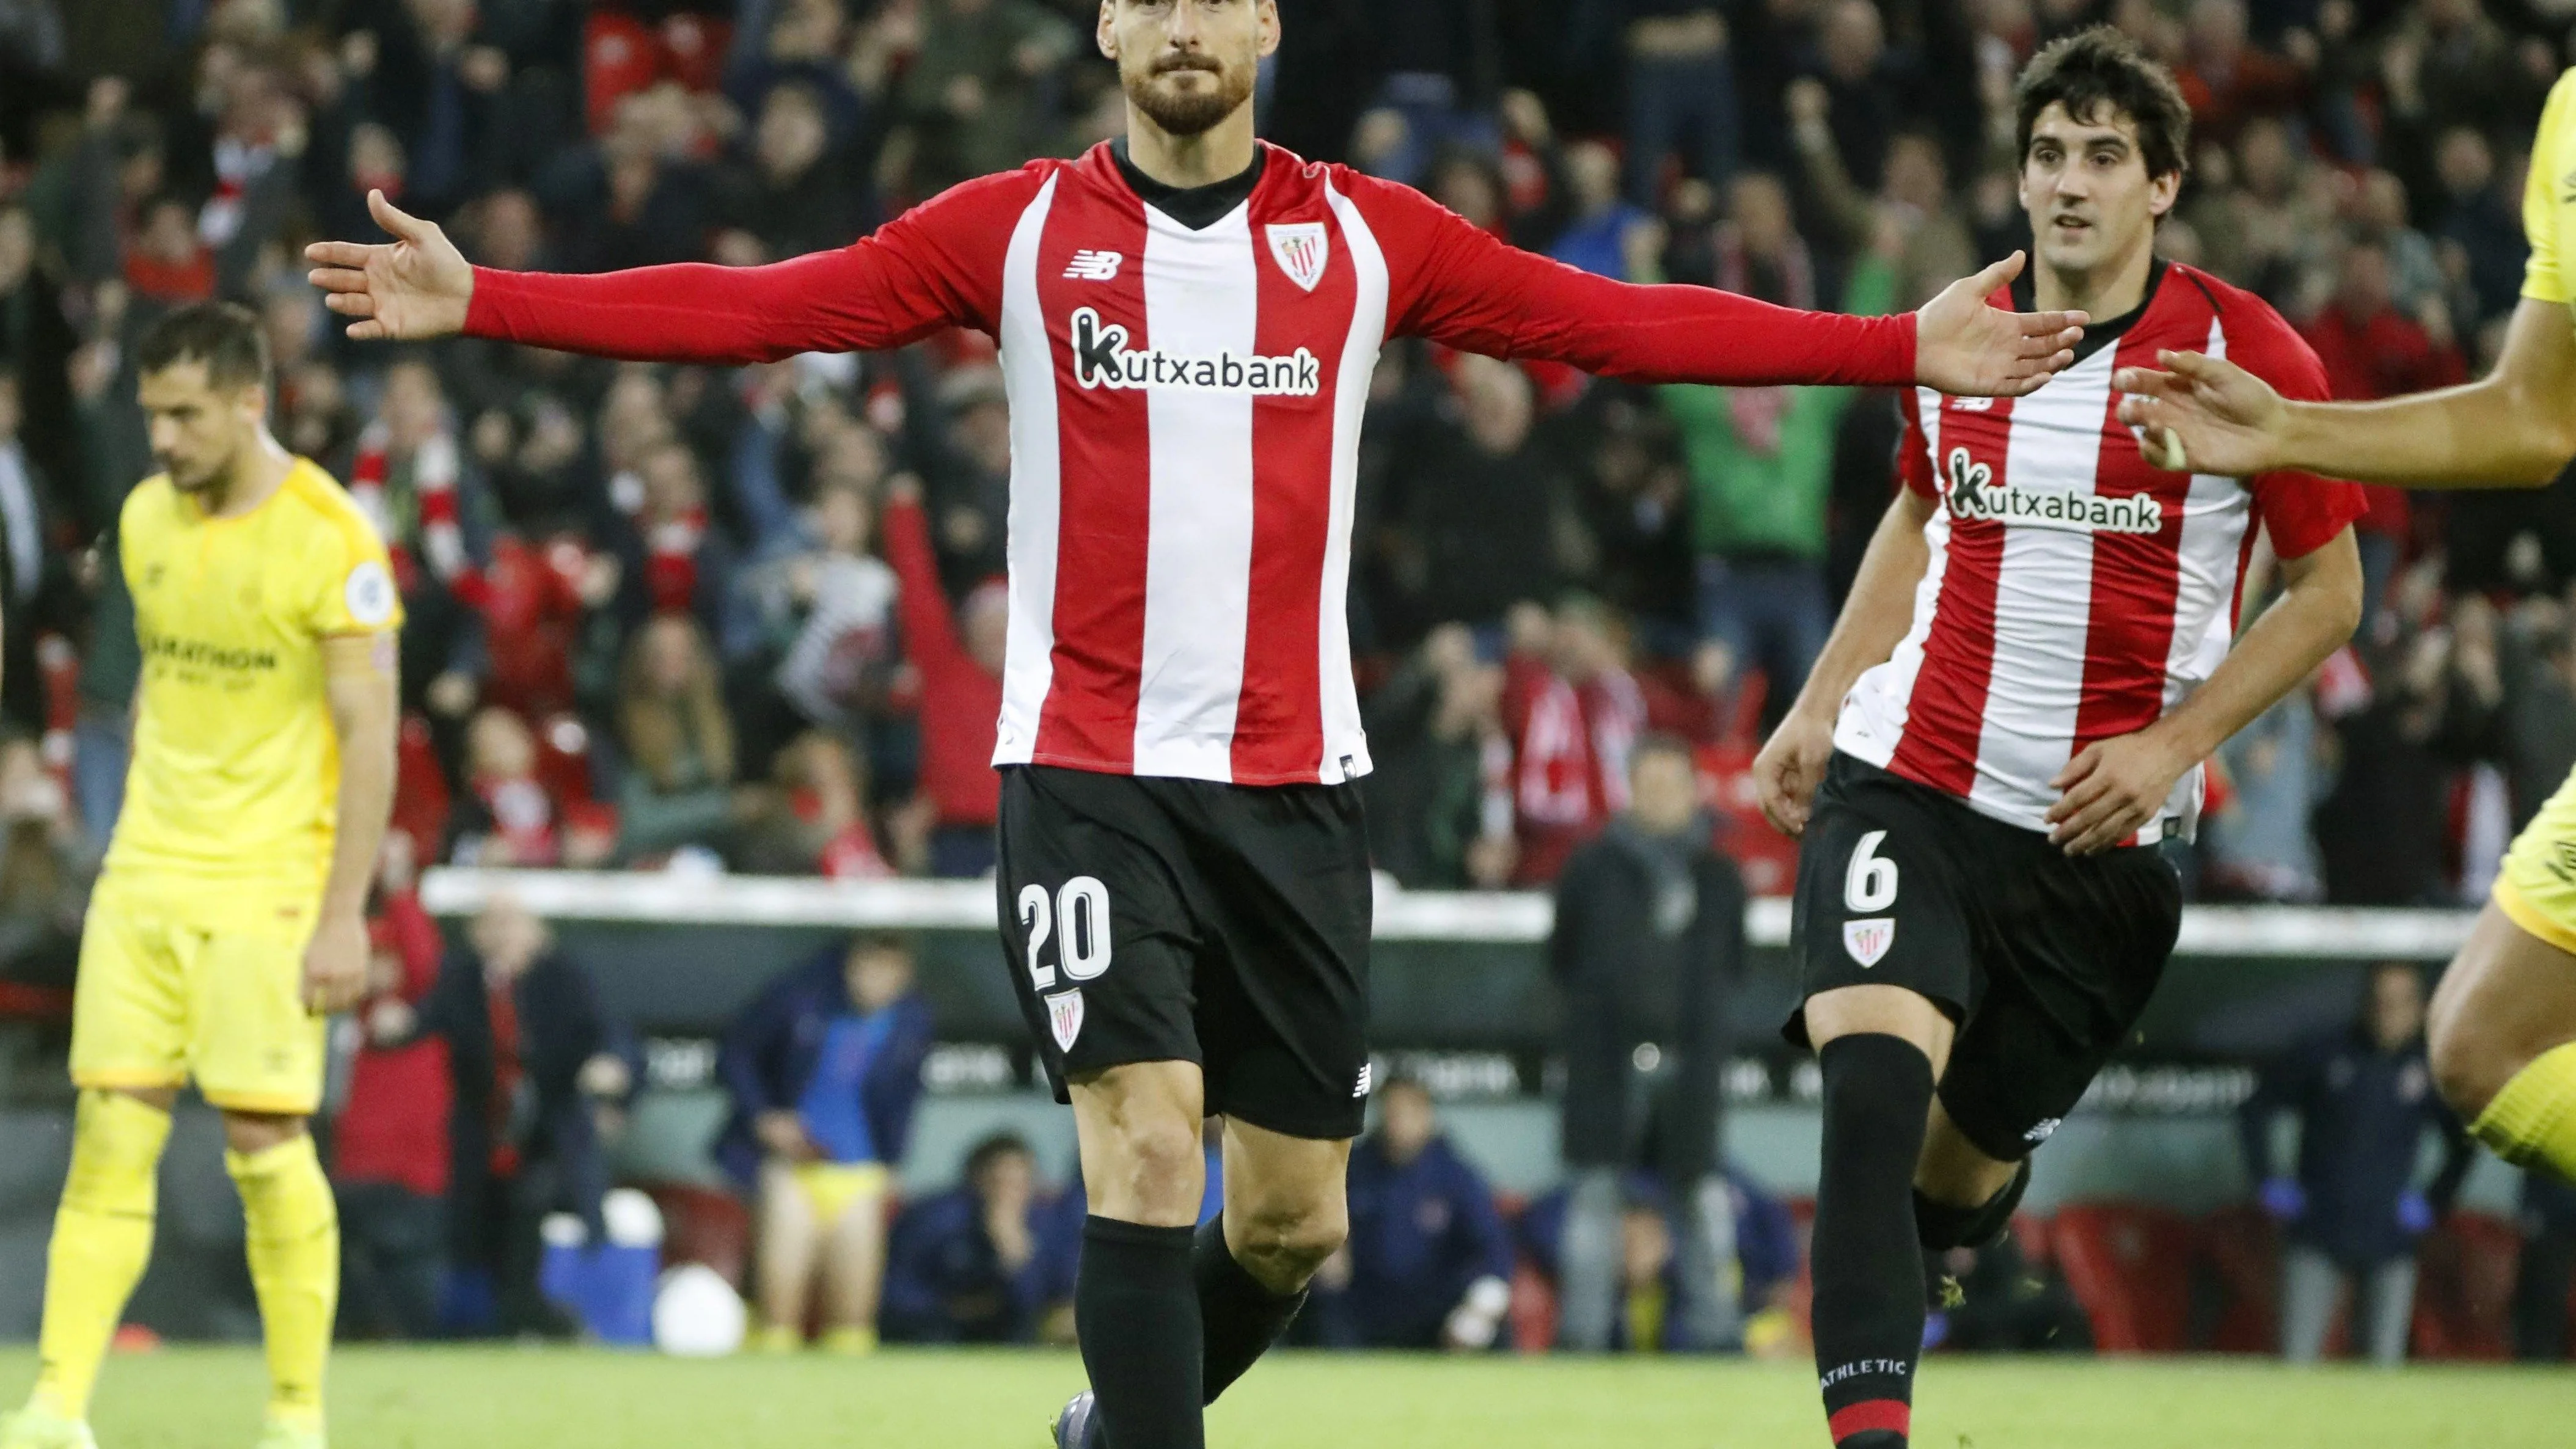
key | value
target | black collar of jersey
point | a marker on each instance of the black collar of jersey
(1195, 207)
(2097, 335)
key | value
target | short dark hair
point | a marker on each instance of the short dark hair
(2099, 67)
(993, 1149)
(225, 336)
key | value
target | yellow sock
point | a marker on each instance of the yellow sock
(853, 1341)
(293, 1227)
(102, 1238)
(2533, 1120)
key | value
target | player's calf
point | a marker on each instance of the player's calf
(1963, 1197)
(1134, 1293)
(1869, 1306)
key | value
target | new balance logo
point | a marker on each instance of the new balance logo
(1101, 358)
(1095, 266)
(2042, 1130)
(1362, 1089)
(1973, 493)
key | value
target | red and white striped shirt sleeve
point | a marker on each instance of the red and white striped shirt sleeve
(2302, 511)
(936, 266)
(1457, 284)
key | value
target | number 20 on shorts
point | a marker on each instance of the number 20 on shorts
(1077, 916)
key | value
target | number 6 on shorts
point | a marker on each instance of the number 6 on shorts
(1083, 908)
(1868, 886)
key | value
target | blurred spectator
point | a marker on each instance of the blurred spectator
(1439, 70)
(165, 262)
(510, 815)
(1912, 213)
(29, 579)
(2536, 729)
(1430, 1263)
(824, 1068)
(36, 344)
(958, 655)
(828, 612)
(1442, 782)
(45, 873)
(1647, 944)
(390, 1147)
(1607, 234)
(2354, 1210)
(1767, 1259)
(2227, 77)
(2546, 1269)
(2259, 844)
(1682, 103)
(799, 193)
(975, 90)
(1762, 463)
(815, 820)
(535, 1059)
(2481, 220)
(679, 779)
(974, 1264)
(1482, 508)
(2382, 830)
(1571, 712)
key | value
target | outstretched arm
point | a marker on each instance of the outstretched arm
(937, 266)
(2514, 427)
(1459, 285)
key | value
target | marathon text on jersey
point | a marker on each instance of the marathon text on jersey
(1972, 492)
(197, 653)
(1102, 358)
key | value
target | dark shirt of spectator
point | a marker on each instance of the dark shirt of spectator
(2364, 1099)
(840, 1041)
(535, 1060)
(975, 1264)
(1430, 1260)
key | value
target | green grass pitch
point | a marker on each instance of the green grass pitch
(508, 1398)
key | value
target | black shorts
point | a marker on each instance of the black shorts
(2045, 960)
(1182, 920)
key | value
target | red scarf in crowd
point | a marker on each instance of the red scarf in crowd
(434, 469)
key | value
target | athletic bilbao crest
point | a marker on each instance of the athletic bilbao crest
(1867, 939)
(1303, 250)
(1064, 1017)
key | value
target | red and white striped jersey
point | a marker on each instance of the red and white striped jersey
(1185, 416)
(2075, 593)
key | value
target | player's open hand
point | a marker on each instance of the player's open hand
(2205, 415)
(2110, 790)
(335, 965)
(1790, 767)
(412, 288)
(1968, 348)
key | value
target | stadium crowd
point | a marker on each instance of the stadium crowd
(750, 621)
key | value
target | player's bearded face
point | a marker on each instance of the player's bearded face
(1186, 76)
(196, 428)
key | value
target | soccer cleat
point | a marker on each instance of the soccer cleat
(35, 1428)
(1078, 1427)
(779, 1338)
(850, 1342)
(287, 1434)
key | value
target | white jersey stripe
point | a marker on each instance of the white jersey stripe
(1029, 377)
(2043, 596)
(1345, 745)
(2209, 554)
(1201, 300)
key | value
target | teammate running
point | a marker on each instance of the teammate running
(2010, 714)
(2503, 1023)
(1188, 322)
(229, 921)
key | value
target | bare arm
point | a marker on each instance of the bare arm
(1873, 622)
(2114, 786)
(359, 678)
(2514, 427)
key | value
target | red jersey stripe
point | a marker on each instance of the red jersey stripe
(1945, 716)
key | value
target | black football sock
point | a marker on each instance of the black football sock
(1942, 1227)
(1137, 1314)
(1240, 1317)
(1869, 1272)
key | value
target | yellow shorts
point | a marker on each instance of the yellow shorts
(164, 998)
(2537, 887)
(831, 1189)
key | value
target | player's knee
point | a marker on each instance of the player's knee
(250, 1133)
(1284, 1245)
(1156, 1170)
(2469, 1066)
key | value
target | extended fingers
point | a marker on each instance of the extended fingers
(338, 254)
(350, 304)
(337, 279)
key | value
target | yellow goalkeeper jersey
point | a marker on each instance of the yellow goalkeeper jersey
(233, 795)
(2549, 200)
